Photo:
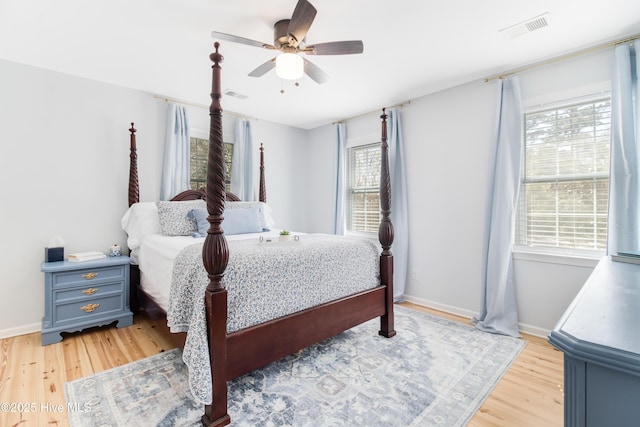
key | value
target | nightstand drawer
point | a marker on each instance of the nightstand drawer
(87, 308)
(89, 276)
(89, 291)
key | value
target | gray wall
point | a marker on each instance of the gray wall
(65, 160)
(64, 171)
(448, 139)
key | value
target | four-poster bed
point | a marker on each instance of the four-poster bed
(234, 353)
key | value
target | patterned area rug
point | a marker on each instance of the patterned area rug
(433, 372)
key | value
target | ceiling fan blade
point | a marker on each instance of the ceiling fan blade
(301, 20)
(241, 40)
(314, 72)
(264, 68)
(335, 48)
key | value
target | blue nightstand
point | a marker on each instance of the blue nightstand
(80, 295)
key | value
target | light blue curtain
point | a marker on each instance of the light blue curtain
(499, 311)
(339, 202)
(175, 164)
(399, 205)
(242, 162)
(624, 185)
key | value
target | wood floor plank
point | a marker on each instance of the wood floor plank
(529, 394)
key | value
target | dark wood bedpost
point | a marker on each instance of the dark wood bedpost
(215, 255)
(385, 234)
(134, 197)
(134, 191)
(263, 187)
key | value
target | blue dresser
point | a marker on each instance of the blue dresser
(600, 337)
(79, 295)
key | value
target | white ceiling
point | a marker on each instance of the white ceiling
(411, 47)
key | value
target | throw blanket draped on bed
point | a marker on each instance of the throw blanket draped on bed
(265, 281)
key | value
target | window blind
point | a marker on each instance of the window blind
(199, 155)
(364, 188)
(565, 181)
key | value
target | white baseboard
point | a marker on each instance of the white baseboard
(523, 327)
(533, 330)
(20, 330)
(440, 307)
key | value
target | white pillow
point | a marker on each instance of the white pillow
(140, 220)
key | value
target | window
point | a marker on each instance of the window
(199, 156)
(565, 177)
(363, 192)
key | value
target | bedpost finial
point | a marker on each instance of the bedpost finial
(216, 57)
(384, 126)
(133, 129)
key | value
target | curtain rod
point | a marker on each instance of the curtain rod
(206, 107)
(399, 105)
(563, 57)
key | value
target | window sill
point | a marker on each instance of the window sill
(555, 256)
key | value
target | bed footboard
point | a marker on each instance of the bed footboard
(240, 352)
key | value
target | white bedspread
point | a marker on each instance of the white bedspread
(157, 254)
(265, 281)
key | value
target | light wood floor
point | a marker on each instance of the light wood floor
(32, 376)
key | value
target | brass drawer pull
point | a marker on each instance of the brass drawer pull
(90, 276)
(89, 307)
(90, 291)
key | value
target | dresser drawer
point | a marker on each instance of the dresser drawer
(87, 308)
(88, 276)
(88, 291)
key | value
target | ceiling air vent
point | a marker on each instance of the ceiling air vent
(235, 94)
(526, 27)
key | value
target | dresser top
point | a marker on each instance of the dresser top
(602, 324)
(52, 267)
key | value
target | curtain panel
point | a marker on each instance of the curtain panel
(499, 310)
(623, 233)
(399, 205)
(176, 174)
(242, 167)
(339, 214)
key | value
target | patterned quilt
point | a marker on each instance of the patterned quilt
(265, 281)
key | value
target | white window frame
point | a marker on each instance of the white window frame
(365, 140)
(564, 256)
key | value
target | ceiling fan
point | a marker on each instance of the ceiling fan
(289, 38)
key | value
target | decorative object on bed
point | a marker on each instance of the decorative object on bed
(435, 372)
(174, 217)
(234, 353)
(285, 236)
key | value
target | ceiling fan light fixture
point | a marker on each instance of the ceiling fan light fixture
(289, 66)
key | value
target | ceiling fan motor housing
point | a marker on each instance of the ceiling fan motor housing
(281, 33)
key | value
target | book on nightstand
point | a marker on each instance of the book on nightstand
(86, 256)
